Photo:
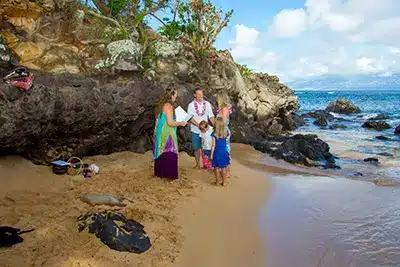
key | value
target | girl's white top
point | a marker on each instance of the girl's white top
(207, 139)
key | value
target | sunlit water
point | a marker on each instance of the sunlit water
(318, 221)
(355, 143)
(312, 221)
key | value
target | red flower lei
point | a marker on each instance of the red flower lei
(196, 107)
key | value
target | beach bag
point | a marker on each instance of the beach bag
(207, 164)
(60, 167)
(10, 236)
(20, 78)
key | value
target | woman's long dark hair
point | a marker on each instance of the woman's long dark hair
(166, 97)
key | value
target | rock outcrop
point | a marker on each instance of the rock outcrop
(95, 96)
(342, 106)
(65, 115)
(376, 125)
(306, 150)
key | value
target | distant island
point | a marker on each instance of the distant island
(347, 82)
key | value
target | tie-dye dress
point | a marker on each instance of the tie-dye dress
(165, 149)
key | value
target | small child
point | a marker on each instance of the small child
(206, 143)
(219, 154)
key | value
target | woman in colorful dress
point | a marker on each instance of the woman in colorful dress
(165, 151)
(224, 111)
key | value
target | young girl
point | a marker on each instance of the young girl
(206, 143)
(219, 154)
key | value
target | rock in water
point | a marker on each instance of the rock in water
(321, 122)
(305, 149)
(379, 117)
(376, 125)
(342, 106)
(383, 138)
(337, 126)
(116, 231)
(96, 199)
(397, 130)
(372, 160)
(319, 113)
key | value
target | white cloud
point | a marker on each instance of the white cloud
(325, 36)
(289, 23)
(244, 45)
(368, 65)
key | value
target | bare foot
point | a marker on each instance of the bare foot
(215, 183)
(223, 183)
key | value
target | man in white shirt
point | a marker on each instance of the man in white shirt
(201, 110)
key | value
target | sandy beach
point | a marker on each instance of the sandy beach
(191, 222)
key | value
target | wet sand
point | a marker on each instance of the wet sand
(186, 219)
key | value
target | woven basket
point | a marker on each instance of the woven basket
(75, 167)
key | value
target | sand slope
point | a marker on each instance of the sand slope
(181, 217)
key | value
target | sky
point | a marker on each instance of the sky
(295, 39)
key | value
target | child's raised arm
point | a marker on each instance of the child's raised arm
(212, 147)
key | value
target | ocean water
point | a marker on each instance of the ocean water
(342, 220)
(355, 143)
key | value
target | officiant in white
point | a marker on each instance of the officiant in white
(201, 110)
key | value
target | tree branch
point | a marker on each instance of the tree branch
(100, 16)
(157, 18)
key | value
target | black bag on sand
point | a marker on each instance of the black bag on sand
(116, 231)
(9, 236)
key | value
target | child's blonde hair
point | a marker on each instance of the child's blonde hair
(220, 128)
(203, 125)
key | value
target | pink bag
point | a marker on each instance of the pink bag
(207, 164)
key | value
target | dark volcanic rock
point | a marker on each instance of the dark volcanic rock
(321, 122)
(342, 106)
(307, 150)
(65, 115)
(376, 125)
(337, 126)
(319, 113)
(373, 160)
(379, 117)
(292, 122)
(397, 130)
(381, 137)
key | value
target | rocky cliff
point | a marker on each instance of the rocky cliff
(93, 96)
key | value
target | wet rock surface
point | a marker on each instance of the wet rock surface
(306, 150)
(342, 106)
(376, 125)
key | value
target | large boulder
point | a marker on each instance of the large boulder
(65, 115)
(306, 150)
(376, 125)
(123, 56)
(342, 106)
